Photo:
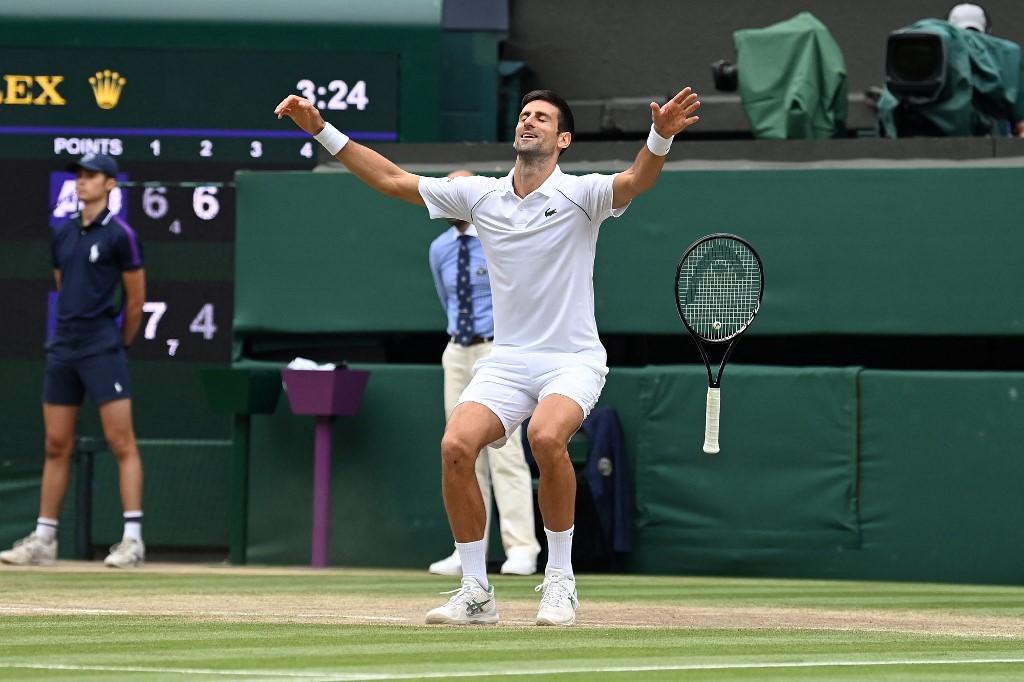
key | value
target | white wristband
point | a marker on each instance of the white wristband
(658, 145)
(332, 139)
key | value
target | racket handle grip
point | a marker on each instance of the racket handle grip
(711, 421)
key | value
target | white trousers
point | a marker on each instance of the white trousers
(501, 470)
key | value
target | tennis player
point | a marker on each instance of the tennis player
(538, 228)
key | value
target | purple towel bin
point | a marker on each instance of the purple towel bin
(323, 394)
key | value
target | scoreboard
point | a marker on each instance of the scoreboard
(138, 104)
(183, 97)
(179, 123)
(187, 228)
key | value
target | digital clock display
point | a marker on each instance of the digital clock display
(186, 106)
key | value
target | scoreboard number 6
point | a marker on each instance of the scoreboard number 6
(204, 203)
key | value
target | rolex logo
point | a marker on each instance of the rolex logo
(106, 87)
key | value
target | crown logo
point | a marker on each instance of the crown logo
(106, 87)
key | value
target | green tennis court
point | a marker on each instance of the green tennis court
(170, 622)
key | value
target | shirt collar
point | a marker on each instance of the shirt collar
(102, 218)
(548, 188)
(470, 232)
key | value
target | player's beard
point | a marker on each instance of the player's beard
(535, 154)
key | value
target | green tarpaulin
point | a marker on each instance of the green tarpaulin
(792, 79)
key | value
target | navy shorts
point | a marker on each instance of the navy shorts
(103, 376)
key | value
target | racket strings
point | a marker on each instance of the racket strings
(719, 288)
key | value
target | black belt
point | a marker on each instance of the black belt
(475, 340)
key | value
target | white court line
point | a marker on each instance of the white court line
(328, 676)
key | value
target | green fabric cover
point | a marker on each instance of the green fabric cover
(792, 79)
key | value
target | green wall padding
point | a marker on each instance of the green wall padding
(186, 498)
(942, 468)
(186, 488)
(386, 507)
(775, 485)
(846, 251)
(824, 472)
(21, 419)
(19, 507)
(786, 477)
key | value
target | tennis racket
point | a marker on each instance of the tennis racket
(718, 292)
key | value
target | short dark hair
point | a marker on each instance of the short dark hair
(566, 123)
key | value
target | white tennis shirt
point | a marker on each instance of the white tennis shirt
(540, 253)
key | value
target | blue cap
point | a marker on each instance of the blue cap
(96, 162)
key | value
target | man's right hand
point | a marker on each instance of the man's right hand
(302, 111)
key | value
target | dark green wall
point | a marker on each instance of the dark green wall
(820, 474)
(824, 472)
(185, 448)
(386, 489)
(864, 251)
(941, 471)
(830, 472)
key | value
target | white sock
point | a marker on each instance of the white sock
(46, 528)
(133, 525)
(474, 560)
(560, 550)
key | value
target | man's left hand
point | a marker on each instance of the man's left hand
(676, 115)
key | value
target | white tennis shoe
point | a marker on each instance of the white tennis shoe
(450, 565)
(129, 553)
(520, 561)
(31, 550)
(559, 603)
(471, 604)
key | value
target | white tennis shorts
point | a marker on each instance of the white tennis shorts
(511, 384)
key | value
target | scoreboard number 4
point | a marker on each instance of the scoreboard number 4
(203, 322)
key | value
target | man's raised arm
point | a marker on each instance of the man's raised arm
(366, 164)
(669, 120)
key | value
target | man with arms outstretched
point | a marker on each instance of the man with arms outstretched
(539, 228)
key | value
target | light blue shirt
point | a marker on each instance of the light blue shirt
(444, 266)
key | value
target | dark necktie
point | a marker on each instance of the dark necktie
(464, 330)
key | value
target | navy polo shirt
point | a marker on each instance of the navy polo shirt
(91, 259)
